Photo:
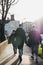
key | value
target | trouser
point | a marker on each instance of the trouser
(15, 49)
(32, 47)
(35, 50)
(20, 52)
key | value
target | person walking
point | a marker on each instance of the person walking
(11, 40)
(18, 40)
(34, 36)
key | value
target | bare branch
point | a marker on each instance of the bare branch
(2, 10)
(10, 1)
(5, 6)
(6, 9)
(0, 2)
(15, 2)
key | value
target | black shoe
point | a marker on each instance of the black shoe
(20, 58)
(32, 57)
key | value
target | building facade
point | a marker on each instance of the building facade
(12, 25)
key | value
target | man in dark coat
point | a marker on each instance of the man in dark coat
(18, 40)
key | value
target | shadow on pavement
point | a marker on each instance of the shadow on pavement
(34, 63)
(7, 60)
(16, 62)
(40, 63)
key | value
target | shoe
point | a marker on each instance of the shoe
(20, 58)
(32, 57)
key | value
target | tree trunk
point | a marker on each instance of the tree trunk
(2, 35)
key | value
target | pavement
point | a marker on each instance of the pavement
(26, 58)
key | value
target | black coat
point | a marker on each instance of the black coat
(20, 33)
(34, 37)
(18, 38)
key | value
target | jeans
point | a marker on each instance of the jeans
(20, 52)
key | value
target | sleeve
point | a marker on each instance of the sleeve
(9, 39)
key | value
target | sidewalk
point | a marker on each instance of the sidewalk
(25, 61)
(26, 58)
(12, 60)
(6, 53)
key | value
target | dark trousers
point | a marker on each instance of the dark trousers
(35, 50)
(15, 49)
(32, 50)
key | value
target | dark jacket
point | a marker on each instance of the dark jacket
(18, 38)
(34, 36)
(20, 34)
